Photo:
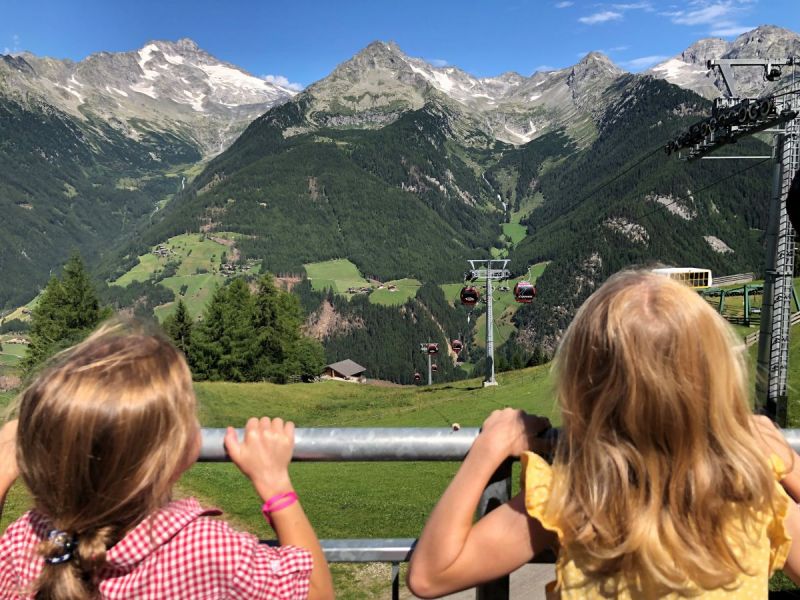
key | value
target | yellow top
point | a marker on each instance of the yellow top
(766, 556)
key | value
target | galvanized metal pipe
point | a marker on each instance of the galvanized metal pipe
(346, 444)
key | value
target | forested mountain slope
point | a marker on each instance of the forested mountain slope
(622, 201)
(67, 184)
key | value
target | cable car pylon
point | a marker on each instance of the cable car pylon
(732, 118)
(429, 349)
(486, 271)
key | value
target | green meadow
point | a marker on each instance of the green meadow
(404, 290)
(339, 275)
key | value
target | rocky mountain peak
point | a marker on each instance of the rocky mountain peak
(766, 41)
(598, 60)
(703, 50)
(187, 44)
(170, 85)
(688, 69)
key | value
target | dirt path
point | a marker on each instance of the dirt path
(453, 355)
(234, 254)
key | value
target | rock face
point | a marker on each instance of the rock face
(168, 86)
(380, 83)
(688, 69)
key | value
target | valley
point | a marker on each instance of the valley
(376, 181)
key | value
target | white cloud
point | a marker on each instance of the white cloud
(565, 4)
(634, 6)
(283, 82)
(438, 62)
(704, 16)
(644, 62)
(601, 17)
(720, 16)
(544, 68)
(729, 30)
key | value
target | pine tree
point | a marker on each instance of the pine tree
(178, 326)
(67, 311)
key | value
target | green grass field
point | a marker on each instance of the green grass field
(406, 289)
(198, 293)
(23, 312)
(193, 251)
(339, 274)
(10, 356)
(515, 232)
(198, 258)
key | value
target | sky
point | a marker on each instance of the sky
(301, 41)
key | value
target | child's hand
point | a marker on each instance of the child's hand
(264, 454)
(513, 432)
(8, 453)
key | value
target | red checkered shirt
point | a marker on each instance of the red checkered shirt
(179, 553)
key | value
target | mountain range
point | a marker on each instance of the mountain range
(405, 168)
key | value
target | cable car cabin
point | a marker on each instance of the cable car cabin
(691, 276)
(457, 346)
(470, 295)
(434, 368)
(433, 348)
(417, 377)
(524, 292)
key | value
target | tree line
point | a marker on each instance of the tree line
(250, 331)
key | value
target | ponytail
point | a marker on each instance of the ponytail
(72, 564)
(103, 433)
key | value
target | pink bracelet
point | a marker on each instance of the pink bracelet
(276, 503)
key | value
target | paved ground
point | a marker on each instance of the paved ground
(528, 583)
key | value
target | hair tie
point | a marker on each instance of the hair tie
(64, 542)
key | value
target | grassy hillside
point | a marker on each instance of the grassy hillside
(338, 275)
(190, 265)
(361, 499)
(72, 184)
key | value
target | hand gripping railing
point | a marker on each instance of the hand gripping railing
(395, 444)
(384, 444)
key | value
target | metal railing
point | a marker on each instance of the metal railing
(365, 444)
(395, 444)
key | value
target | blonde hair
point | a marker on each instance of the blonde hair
(103, 432)
(658, 468)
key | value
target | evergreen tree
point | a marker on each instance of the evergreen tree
(247, 336)
(226, 345)
(67, 311)
(178, 326)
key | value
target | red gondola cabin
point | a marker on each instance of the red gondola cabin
(417, 377)
(470, 295)
(433, 348)
(457, 346)
(434, 368)
(524, 292)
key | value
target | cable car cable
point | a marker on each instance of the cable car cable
(704, 188)
(608, 182)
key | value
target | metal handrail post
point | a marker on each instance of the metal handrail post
(496, 493)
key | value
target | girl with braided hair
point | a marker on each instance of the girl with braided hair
(103, 435)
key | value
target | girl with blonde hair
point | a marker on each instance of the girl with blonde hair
(103, 435)
(662, 483)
